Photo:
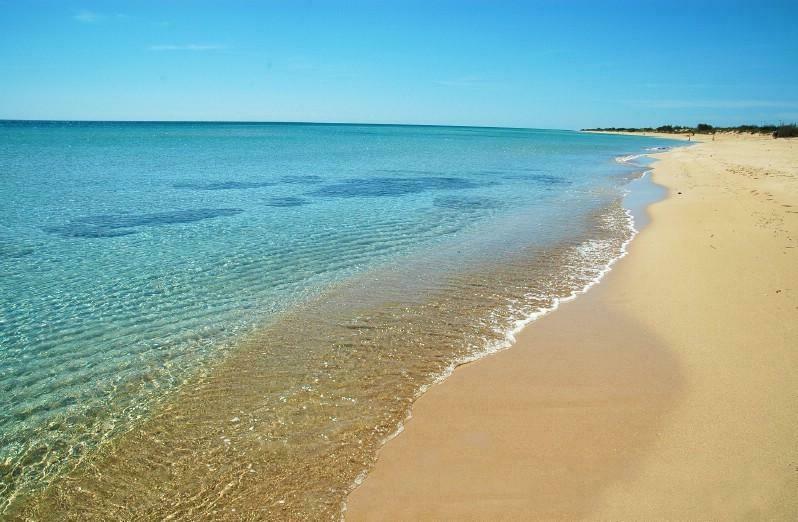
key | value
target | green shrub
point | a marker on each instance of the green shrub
(704, 128)
(781, 131)
(787, 131)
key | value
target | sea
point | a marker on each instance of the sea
(227, 320)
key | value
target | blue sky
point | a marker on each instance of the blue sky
(547, 64)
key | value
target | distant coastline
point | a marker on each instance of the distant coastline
(16, 121)
(778, 131)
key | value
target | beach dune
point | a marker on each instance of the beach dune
(668, 391)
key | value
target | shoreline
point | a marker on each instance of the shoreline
(529, 407)
(654, 134)
(636, 211)
(637, 215)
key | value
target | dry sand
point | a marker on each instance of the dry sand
(669, 391)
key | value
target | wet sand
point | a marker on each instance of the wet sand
(666, 392)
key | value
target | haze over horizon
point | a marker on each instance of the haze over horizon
(518, 64)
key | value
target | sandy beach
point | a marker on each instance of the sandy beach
(668, 391)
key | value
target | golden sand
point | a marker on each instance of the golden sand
(669, 391)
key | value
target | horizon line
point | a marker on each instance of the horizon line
(278, 122)
(365, 124)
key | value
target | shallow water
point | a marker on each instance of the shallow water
(217, 319)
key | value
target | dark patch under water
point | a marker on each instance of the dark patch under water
(309, 179)
(115, 225)
(288, 201)
(225, 185)
(383, 186)
(12, 251)
(414, 172)
(466, 203)
(543, 179)
(549, 180)
(87, 231)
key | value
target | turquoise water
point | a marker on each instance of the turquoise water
(134, 256)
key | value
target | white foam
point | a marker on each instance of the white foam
(629, 158)
(518, 325)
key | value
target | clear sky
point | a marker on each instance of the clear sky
(548, 64)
